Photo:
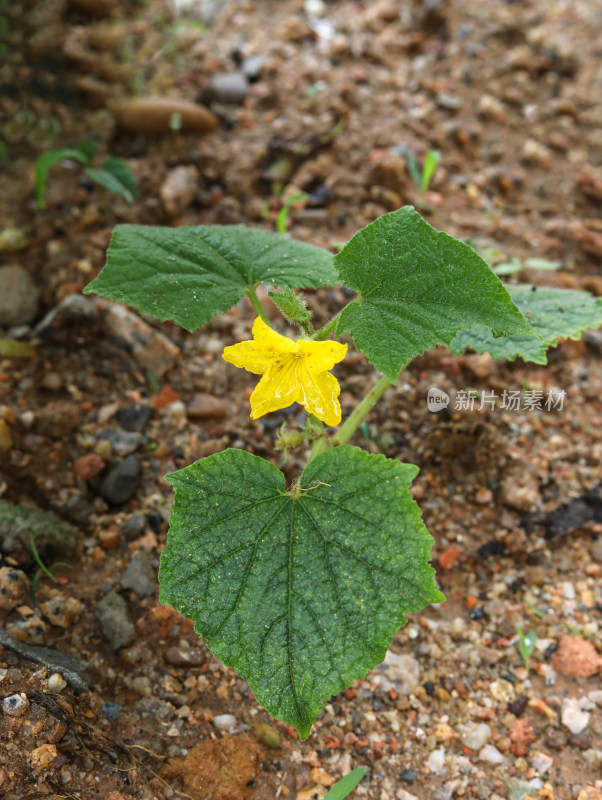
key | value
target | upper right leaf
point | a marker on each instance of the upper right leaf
(417, 288)
(553, 313)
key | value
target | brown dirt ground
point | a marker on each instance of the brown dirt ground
(509, 92)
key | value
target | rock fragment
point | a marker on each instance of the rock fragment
(151, 349)
(62, 610)
(140, 575)
(15, 705)
(122, 481)
(14, 587)
(206, 406)
(576, 657)
(114, 619)
(19, 297)
(157, 115)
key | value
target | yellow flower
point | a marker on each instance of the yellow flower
(293, 372)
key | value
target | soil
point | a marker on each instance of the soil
(326, 98)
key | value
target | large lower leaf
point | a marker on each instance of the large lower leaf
(191, 274)
(417, 288)
(553, 313)
(301, 591)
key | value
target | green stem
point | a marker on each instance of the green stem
(259, 309)
(320, 335)
(359, 414)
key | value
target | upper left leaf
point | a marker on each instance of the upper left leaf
(189, 274)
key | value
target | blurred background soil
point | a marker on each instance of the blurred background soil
(118, 698)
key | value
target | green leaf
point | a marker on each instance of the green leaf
(543, 264)
(417, 288)
(115, 175)
(347, 784)
(553, 313)
(302, 591)
(13, 348)
(282, 217)
(191, 274)
(46, 161)
(428, 168)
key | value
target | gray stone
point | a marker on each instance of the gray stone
(19, 297)
(252, 66)
(400, 672)
(206, 406)
(122, 482)
(228, 87)
(134, 416)
(475, 736)
(111, 711)
(518, 790)
(19, 523)
(152, 350)
(66, 665)
(140, 575)
(114, 619)
(75, 308)
(185, 657)
(122, 442)
(133, 527)
(15, 705)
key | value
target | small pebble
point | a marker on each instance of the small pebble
(223, 722)
(111, 711)
(518, 790)
(185, 657)
(122, 482)
(476, 736)
(115, 623)
(267, 734)
(19, 296)
(501, 690)
(28, 631)
(541, 762)
(56, 683)
(61, 610)
(574, 716)
(436, 760)
(228, 87)
(205, 406)
(140, 575)
(134, 417)
(14, 588)
(43, 757)
(492, 755)
(15, 705)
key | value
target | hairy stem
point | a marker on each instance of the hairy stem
(359, 414)
(320, 335)
(259, 309)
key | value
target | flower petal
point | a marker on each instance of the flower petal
(321, 356)
(259, 354)
(319, 394)
(278, 388)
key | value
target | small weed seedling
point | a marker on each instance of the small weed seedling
(282, 218)
(42, 569)
(301, 588)
(526, 645)
(422, 178)
(113, 174)
(346, 785)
